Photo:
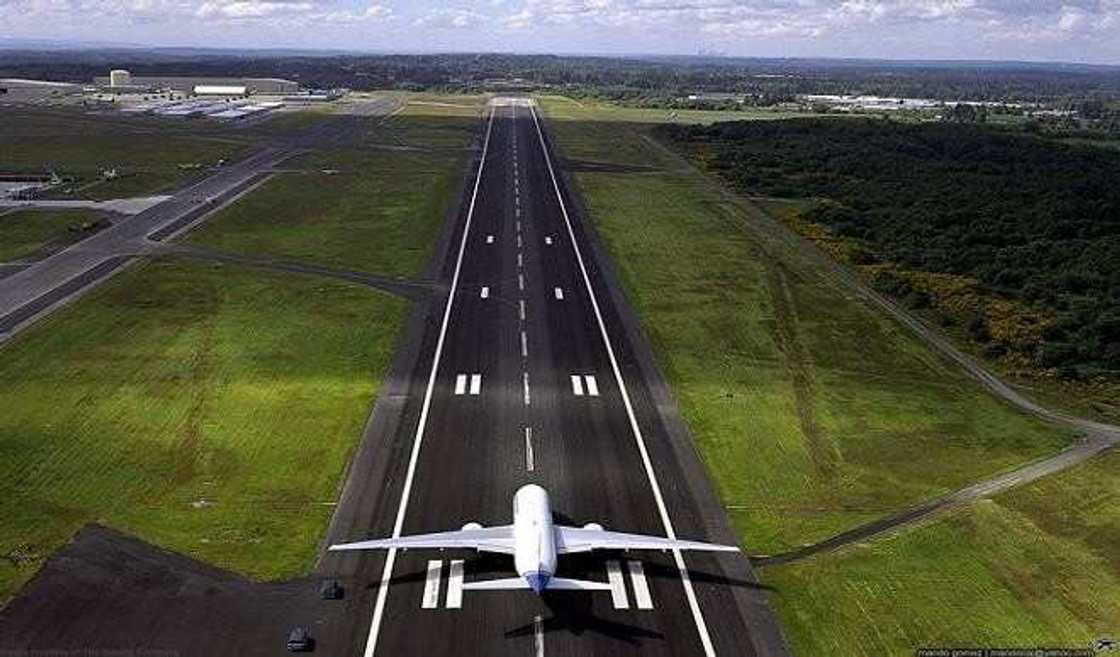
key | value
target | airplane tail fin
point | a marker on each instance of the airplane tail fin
(554, 584)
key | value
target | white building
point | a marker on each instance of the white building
(120, 78)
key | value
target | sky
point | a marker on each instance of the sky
(1035, 30)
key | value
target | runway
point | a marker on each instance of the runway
(528, 374)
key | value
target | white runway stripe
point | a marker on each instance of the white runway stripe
(455, 585)
(559, 294)
(521, 282)
(525, 381)
(524, 345)
(641, 587)
(431, 585)
(618, 585)
(460, 384)
(476, 384)
(489, 239)
(592, 385)
(548, 241)
(529, 449)
(485, 293)
(521, 309)
(577, 385)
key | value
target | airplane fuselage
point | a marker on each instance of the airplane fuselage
(534, 553)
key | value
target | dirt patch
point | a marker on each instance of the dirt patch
(114, 592)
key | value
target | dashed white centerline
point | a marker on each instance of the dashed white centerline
(485, 292)
(518, 224)
(529, 449)
(525, 382)
(559, 293)
(663, 511)
(521, 282)
(521, 309)
(524, 345)
(520, 260)
(519, 239)
(538, 635)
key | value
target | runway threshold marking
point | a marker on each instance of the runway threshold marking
(618, 585)
(425, 408)
(485, 293)
(476, 384)
(666, 521)
(460, 384)
(529, 449)
(455, 585)
(592, 385)
(559, 294)
(641, 587)
(577, 385)
(431, 585)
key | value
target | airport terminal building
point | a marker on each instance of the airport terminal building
(187, 85)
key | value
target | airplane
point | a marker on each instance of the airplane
(534, 541)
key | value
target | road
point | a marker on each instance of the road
(527, 374)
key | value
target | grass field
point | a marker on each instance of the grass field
(146, 152)
(815, 413)
(26, 231)
(381, 213)
(1037, 566)
(205, 408)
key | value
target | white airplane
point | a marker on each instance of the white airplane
(534, 541)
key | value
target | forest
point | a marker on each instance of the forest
(1029, 226)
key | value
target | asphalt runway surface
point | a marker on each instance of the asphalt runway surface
(480, 400)
(500, 408)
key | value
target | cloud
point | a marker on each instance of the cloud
(449, 19)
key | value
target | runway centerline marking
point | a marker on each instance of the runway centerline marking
(524, 346)
(519, 238)
(521, 282)
(485, 293)
(521, 309)
(455, 585)
(538, 635)
(425, 408)
(525, 382)
(520, 261)
(666, 521)
(431, 585)
(529, 449)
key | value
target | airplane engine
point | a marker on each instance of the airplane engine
(471, 525)
(593, 526)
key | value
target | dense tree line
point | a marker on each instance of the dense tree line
(616, 78)
(1033, 220)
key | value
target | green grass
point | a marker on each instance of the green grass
(26, 231)
(146, 152)
(381, 213)
(1037, 566)
(205, 408)
(815, 413)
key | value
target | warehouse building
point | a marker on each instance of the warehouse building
(187, 85)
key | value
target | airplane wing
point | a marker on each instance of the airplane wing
(484, 539)
(579, 539)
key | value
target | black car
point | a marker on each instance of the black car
(299, 640)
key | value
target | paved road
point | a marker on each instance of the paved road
(491, 405)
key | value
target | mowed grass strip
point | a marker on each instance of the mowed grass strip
(381, 212)
(205, 408)
(25, 231)
(1036, 566)
(146, 153)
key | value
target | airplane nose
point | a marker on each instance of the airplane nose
(537, 581)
